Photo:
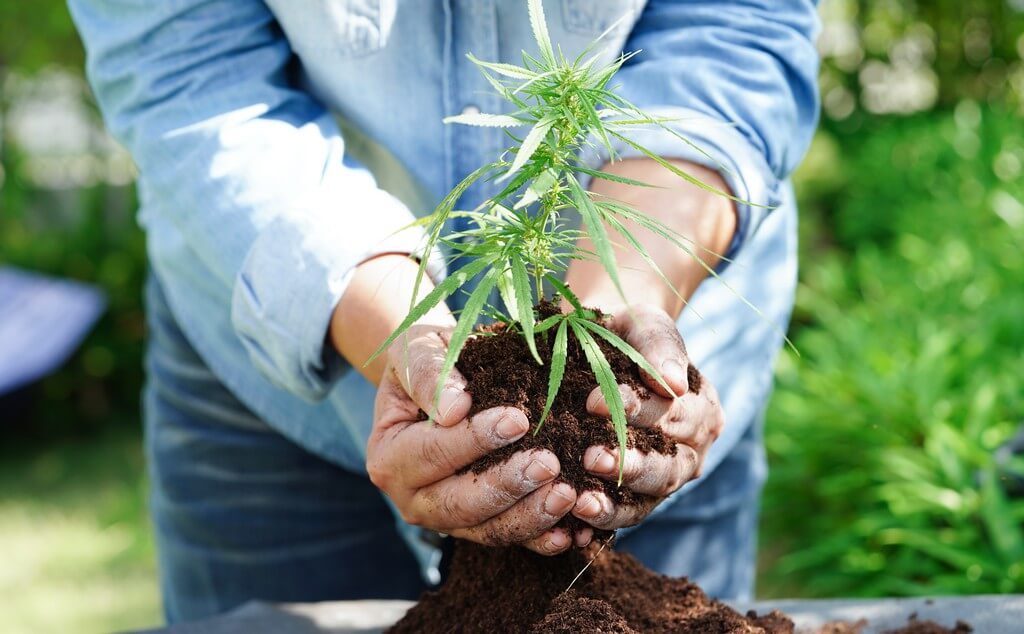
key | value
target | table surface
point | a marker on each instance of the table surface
(987, 614)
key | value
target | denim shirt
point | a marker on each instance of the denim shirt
(282, 142)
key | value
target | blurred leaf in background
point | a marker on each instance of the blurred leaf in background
(883, 436)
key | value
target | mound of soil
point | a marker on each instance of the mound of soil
(915, 626)
(493, 590)
(500, 370)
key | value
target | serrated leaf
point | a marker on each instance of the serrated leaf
(548, 323)
(464, 326)
(508, 70)
(628, 350)
(565, 292)
(529, 145)
(559, 355)
(505, 289)
(615, 178)
(486, 120)
(608, 385)
(448, 286)
(521, 286)
(540, 186)
(597, 232)
(693, 180)
(540, 30)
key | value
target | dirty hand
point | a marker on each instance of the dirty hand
(416, 463)
(693, 419)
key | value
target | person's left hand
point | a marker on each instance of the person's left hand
(693, 419)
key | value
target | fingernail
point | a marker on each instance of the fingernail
(557, 502)
(588, 505)
(450, 398)
(511, 427)
(584, 537)
(556, 542)
(602, 462)
(672, 370)
(538, 472)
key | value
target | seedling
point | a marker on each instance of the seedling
(521, 234)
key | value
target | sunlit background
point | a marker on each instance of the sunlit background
(890, 436)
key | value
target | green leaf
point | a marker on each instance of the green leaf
(540, 30)
(615, 178)
(607, 383)
(485, 120)
(464, 327)
(565, 292)
(529, 145)
(548, 323)
(678, 172)
(627, 350)
(597, 232)
(507, 292)
(540, 186)
(450, 284)
(559, 355)
(521, 286)
(508, 70)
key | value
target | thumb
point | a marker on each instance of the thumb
(654, 335)
(418, 358)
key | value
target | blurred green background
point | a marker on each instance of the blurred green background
(884, 435)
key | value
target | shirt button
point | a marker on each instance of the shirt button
(471, 109)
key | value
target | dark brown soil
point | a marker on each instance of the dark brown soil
(500, 370)
(492, 590)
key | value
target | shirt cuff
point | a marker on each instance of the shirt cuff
(295, 273)
(716, 145)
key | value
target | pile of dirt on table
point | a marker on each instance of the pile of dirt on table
(491, 590)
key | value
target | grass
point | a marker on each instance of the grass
(79, 554)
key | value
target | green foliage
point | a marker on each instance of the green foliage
(520, 233)
(910, 315)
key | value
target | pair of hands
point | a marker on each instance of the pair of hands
(520, 501)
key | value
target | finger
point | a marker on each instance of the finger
(469, 499)
(421, 454)
(650, 473)
(527, 520)
(641, 412)
(654, 335)
(599, 511)
(418, 358)
(583, 537)
(552, 542)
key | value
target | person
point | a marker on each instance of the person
(282, 145)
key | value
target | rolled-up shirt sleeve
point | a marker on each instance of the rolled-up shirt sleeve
(739, 80)
(251, 170)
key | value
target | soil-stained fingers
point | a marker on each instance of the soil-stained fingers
(598, 510)
(469, 499)
(695, 418)
(654, 335)
(417, 358)
(416, 454)
(651, 473)
(528, 522)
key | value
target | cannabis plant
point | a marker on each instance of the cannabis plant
(521, 234)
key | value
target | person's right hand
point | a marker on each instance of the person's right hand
(415, 463)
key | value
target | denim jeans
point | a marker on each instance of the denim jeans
(243, 513)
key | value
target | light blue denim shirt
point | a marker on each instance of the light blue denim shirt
(280, 143)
